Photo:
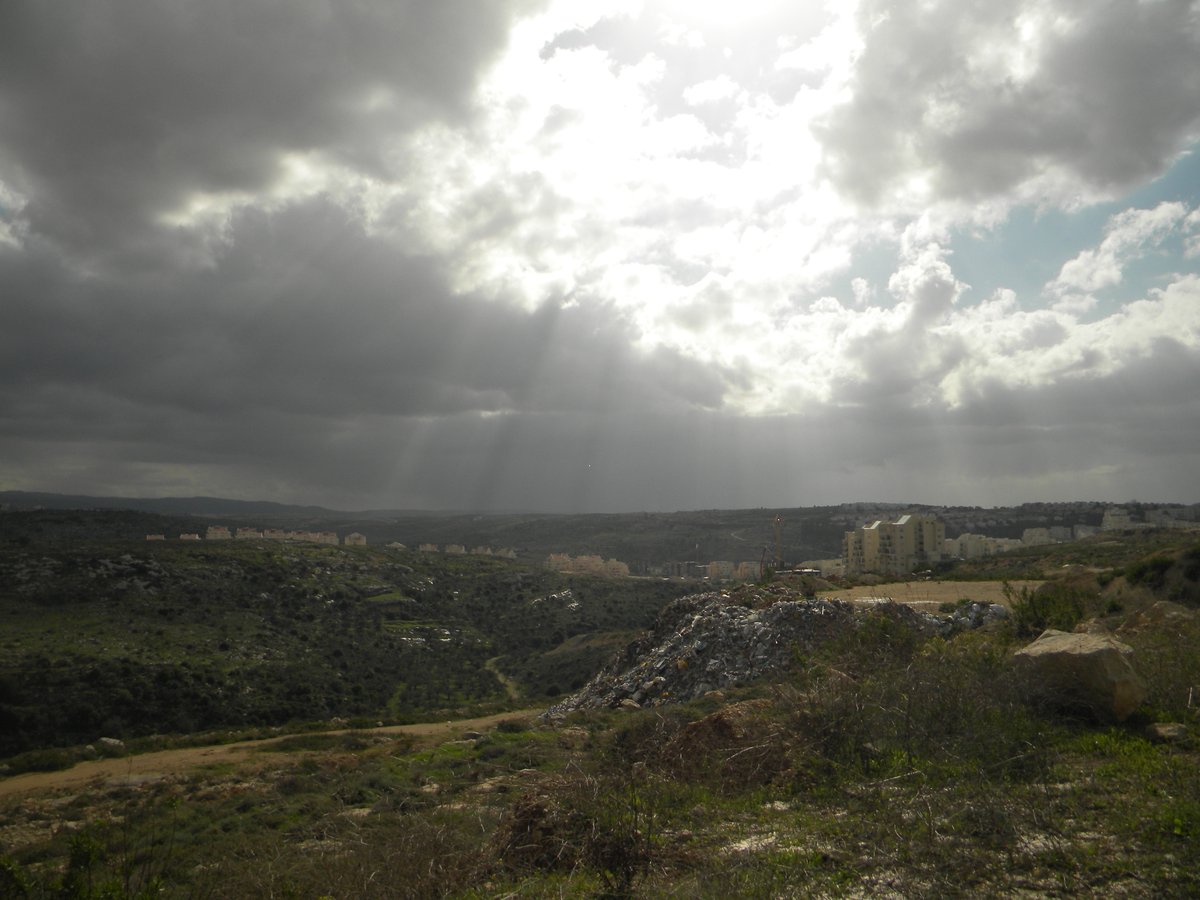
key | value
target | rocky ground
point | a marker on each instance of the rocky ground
(710, 641)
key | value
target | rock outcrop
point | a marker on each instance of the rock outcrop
(1162, 614)
(708, 641)
(1085, 673)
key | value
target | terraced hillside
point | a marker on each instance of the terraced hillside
(130, 638)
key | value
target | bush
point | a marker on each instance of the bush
(951, 706)
(1055, 604)
(607, 824)
(1151, 571)
(1168, 660)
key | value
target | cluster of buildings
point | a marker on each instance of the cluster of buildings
(1118, 518)
(716, 570)
(586, 565)
(222, 533)
(915, 542)
(461, 550)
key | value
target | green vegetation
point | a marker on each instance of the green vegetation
(880, 764)
(129, 639)
(1104, 553)
(1060, 605)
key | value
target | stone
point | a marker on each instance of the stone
(1166, 732)
(706, 641)
(573, 738)
(111, 743)
(1089, 673)
(496, 785)
(1164, 612)
(976, 614)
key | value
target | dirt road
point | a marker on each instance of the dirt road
(132, 770)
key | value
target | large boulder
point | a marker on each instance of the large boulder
(1088, 673)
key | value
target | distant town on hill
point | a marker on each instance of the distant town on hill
(685, 543)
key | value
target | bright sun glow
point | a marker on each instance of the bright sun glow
(721, 12)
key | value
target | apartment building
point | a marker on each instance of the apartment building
(910, 543)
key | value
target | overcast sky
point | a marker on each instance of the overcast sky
(581, 256)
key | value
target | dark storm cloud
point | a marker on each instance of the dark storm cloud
(1111, 95)
(115, 111)
(309, 344)
(298, 354)
(1083, 438)
(312, 347)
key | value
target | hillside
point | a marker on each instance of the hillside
(884, 755)
(127, 638)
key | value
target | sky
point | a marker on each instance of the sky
(568, 256)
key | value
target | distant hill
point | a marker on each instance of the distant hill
(173, 506)
(646, 541)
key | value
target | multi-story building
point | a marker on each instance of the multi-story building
(721, 570)
(1116, 518)
(354, 539)
(748, 570)
(974, 546)
(910, 543)
(1036, 537)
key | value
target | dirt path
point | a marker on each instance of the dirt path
(132, 770)
(926, 594)
(149, 766)
(511, 688)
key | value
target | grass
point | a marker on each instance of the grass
(530, 812)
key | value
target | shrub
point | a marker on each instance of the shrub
(1055, 604)
(608, 824)
(1151, 571)
(950, 706)
(1168, 660)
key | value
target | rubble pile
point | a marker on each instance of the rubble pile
(709, 641)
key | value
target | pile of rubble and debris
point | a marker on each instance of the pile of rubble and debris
(705, 642)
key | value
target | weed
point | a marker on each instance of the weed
(1151, 571)
(1167, 657)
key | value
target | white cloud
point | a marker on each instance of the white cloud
(720, 88)
(1128, 236)
(1191, 240)
(1045, 102)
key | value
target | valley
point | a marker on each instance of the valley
(247, 718)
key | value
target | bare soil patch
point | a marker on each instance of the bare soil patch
(927, 595)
